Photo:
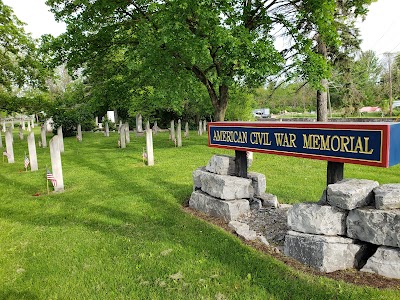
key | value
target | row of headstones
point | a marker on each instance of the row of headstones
(355, 225)
(22, 126)
(56, 147)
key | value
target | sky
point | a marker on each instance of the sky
(380, 31)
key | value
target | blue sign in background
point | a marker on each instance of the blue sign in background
(369, 140)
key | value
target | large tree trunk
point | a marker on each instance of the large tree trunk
(322, 102)
(322, 95)
(221, 103)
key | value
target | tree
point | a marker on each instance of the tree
(18, 63)
(222, 44)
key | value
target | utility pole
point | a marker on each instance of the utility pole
(389, 58)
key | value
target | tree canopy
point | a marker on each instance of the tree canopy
(19, 64)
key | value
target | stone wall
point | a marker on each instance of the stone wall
(356, 224)
(219, 193)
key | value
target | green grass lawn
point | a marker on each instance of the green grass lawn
(118, 230)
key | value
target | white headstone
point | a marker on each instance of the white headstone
(122, 137)
(149, 147)
(61, 138)
(179, 133)
(200, 128)
(155, 127)
(139, 123)
(21, 134)
(33, 123)
(9, 148)
(23, 124)
(43, 135)
(107, 130)
(10, 130)
(56, 163)
(186, 129)
(32, 152)
(127, 135)
(172, 129)
(79, 133)
(29, 126)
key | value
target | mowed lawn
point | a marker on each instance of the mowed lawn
(118, 230)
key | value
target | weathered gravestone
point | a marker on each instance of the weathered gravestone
(107, 130)
(43, 135)
(32, 152)
(122, 136)
(60, 139)
(9, 147)
(29, 126)
(149, 145)
(21, 134)
(55, 155)
(79, 133)
(179, 134)
(127, 133)
(139, 123)
(172, 130)
(186, 129)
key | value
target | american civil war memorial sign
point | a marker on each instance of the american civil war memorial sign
(373, 144)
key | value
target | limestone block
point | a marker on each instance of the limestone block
(379, 227)
(351, 193)
(387, 196)
(221, 164)
(227, 210)
(196, 178)
(385, 262)
(324, 253)
(317, 219)
(243, 230)
(268, 200)
(259, 182)
(226, 187)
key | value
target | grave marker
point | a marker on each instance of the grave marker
(155, 128)
(204, 126)
(200, 131)
(55, 154)
(61, 139)
(139, 123)
(9, 147)
(21, 134)
(106, 130)
(10, 130)
(4, 126)
(122, 137)
(29, 126)
(179, 133)
(33, 123)
(32, 151)
(23, 124)
(149, 145)
(127, 133)
(186, 129)
(79, 133)
(172, 130)
(43, 135)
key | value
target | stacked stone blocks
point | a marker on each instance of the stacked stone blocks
(354, 219)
